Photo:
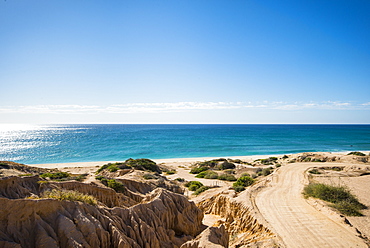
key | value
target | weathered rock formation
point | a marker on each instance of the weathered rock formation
(212, 237)
(243, 228)
(161, 218)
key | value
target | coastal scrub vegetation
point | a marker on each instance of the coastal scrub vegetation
(56, 175)
(340, 197)
(69, 195)
(193, 185)
(357, 153)
(242, 182)
(112, 183)
(138, 164)
(196, 186)
(209, 174)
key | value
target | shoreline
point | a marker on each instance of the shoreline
(170, 160)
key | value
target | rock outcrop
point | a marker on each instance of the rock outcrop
(158, 219)
(212, 237)
(243, 228)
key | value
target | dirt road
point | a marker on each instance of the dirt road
(294, 220)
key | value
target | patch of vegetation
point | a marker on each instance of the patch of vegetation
(198, 170)
(69, 195)
(148, 176)
(307, 159)
(26, 175)
(317, 160)
(278, 165)
(171, 172)
(285, 157)
(238, 188)
(180, 179)
(138, 164)
(56, 175)
(226, 165)
(207, 174)
(245, 175)
(340, 197)
(210, 163)
(314, 171)
(193, 185)
(242, 182)
(201, 190)
(227, 177)
(268, 161)
(357, 153)
(266, 171)
(112, 183)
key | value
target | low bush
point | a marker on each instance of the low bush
(238, 188)
(244, 181)
(207, 174)
(180, 179)
(148, 176)
(266, 171)
(201, 190)
(171, 172)
(56, 175)
(193, 185)
(357, 153)
(138, 164)
(198, 170)
(227, 177)
(117, 186)
(112, 183)
(69, 195)
(226, 165)
(340, 197)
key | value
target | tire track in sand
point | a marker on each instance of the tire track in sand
(293, 219)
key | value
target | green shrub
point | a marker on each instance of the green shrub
(179, 179)
(198, 170)
(56, 175)
(117, 186)
(244, 181)
(227, 177)
(69, 195)
(308, 159)
(171, 172)
(357, 153)
(138, 164)
(143, 164)
(266, 171)
(278, 165)
(26, 175)
(340, 197)
(200, 190)
(211, 175)
(99, 178)
(207, 174)
(226, 165)
(193, 185)
(148, 176)
(238, 188)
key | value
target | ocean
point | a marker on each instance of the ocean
(34, 144)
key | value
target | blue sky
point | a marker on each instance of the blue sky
(193, 61)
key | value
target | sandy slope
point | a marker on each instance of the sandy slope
(298, 223)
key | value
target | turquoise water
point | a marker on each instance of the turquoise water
(84, 143)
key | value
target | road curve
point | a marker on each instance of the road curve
(293, 219)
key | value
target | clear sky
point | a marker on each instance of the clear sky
(185, 61)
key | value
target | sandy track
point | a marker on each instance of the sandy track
(294, 220)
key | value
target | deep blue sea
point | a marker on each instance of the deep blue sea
(84, 143)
